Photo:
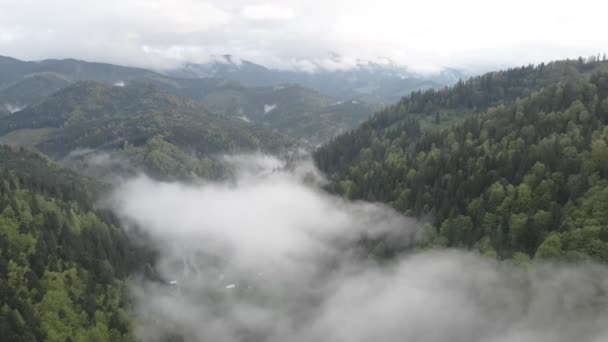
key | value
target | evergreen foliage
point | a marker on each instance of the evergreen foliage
(62, 264)
(525, 169)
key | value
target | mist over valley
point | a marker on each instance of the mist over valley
(338, 171)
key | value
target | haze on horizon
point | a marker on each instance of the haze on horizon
(304, 35)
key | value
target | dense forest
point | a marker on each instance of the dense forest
(291, 109)
(165, 135)
(31, 90)
(517, 176)
(512, 164)
(301, 113)
(62, 263)
(91, 115)
(437, 109)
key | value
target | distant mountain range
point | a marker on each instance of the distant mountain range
(161, 133)
(293, 109)
(369, 82)
(311, 107)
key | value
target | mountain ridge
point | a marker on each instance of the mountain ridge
(151, 128)
(303, 113)
(521, 174)
(371, 82)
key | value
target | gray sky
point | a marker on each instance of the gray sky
(424, 35)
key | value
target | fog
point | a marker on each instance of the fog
(269, 256)
(305, 35)
(13, 108)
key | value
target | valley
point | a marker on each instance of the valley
(193, 206)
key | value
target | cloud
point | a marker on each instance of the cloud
(454, 296)
(271, 257)
(267, 12)
(13, 108)
(269, 108)
(424, 35)
(273, 214)
(106, 165)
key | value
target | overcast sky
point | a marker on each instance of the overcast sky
(424, 34)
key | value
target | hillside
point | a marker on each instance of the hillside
(13, 70)
(62, 264)
(294, 110)
(442, 108)
(375, 83)
(438, 109)
(30, 90)
(523, 173)
(300, 112)
(166, 134)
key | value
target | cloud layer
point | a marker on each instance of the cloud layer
(269, 257)
(425, 35)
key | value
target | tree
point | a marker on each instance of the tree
(457, 231)
(518, 230)
(551, 248)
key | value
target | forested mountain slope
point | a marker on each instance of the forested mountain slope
(436, 109)
(372, 82)
(13, 70)
(528, 175)
(165, 134)
(289, 108)
(444, 107)
(30, 90)
(61, 262)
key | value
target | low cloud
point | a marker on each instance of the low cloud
(13, 108)
(269, 108)
(107, 165)
(267, 12)
(268, 256)
(287, 34)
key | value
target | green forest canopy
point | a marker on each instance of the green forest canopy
(525, 176)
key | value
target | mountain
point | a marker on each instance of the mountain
(63, 264)
(294, 110)
(166, 134)
(369, 82)
(30, 90)
(510, 164)
(437, 109)
(228, 67)
(297, 111)
(522, 172)
(13, 70)
(24, 83)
